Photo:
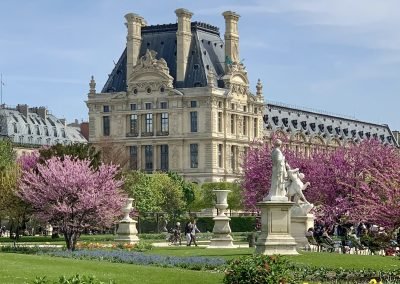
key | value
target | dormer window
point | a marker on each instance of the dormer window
(265, 118)
(275, 119)
(321, 127)
(312, 125)
(304, 125)
(294, 123)
(285, 121)
(330, 129)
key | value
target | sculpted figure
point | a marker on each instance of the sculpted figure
(279, 174)
(295, 186)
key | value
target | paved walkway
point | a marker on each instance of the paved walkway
(200, 244)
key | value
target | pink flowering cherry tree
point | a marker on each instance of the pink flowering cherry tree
(360, 182)
(70, 194)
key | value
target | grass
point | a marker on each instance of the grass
(318, 259)
(18, 268)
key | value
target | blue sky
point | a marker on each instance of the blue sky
(338, 56)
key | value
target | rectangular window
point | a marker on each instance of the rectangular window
(163, 105)
(233, 157)
(193, 103)
(106, 126)
(193, 121)
(233, 126)
(148, 158)
(106, 108)
(219, 121)
(164, 122)
(255, 127)
(149, 122)
(133, 106)
(244, 125)
(147, 105)
(164, 157)
(133, 157)
(133, 124)
(232, 106)
(220, 155)
(244, 108)
(194, 156)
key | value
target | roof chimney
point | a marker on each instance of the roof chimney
(23, 109)
(42, 112)
(231, 37)
(183, 40)
(134, 24)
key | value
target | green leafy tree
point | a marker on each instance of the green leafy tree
(11, 206)
(139, 186)
(187, 188)
(207, 197)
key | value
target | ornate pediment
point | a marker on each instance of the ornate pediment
(236, 78)
(150, 72)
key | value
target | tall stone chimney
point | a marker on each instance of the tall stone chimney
(42, 112)
(134, 24)
(23, 108)
(183, 40)
(231, 37)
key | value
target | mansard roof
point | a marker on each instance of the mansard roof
(293, 119)
(35, 129)
(206, 52)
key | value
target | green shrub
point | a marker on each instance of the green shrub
(76, 279)
(243, 224)
(258, 269)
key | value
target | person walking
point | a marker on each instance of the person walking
(193, 234)
(188, 232)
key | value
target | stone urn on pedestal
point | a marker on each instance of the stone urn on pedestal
(222, 231)
(127, 231)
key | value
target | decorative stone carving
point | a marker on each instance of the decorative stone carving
(211, 78)
(150, 72)
(92, 86)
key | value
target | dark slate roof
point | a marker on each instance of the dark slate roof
(310, 122)
(35, 130)
(206, 52)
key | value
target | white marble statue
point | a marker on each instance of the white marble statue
(279, 174)
(295, 186)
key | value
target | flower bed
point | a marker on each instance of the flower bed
(121, 256)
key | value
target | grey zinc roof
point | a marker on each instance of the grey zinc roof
(34, 130)
(293, 119)
(206, 52)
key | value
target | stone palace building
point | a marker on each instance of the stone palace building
(179, 99)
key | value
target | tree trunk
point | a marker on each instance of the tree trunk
(71, 238)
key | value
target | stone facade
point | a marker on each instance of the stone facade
(179, 99)
(193, 113)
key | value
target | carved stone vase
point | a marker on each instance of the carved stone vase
(222, 231)
(127, 231)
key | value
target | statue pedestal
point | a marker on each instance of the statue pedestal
(300, 225)
(127, 232)
(275, 237)
(222, 231)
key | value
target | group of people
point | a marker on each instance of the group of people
(190, 231)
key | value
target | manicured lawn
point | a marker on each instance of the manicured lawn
(19, 268)
(348, 261)
(201, 251)
(319, 259)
